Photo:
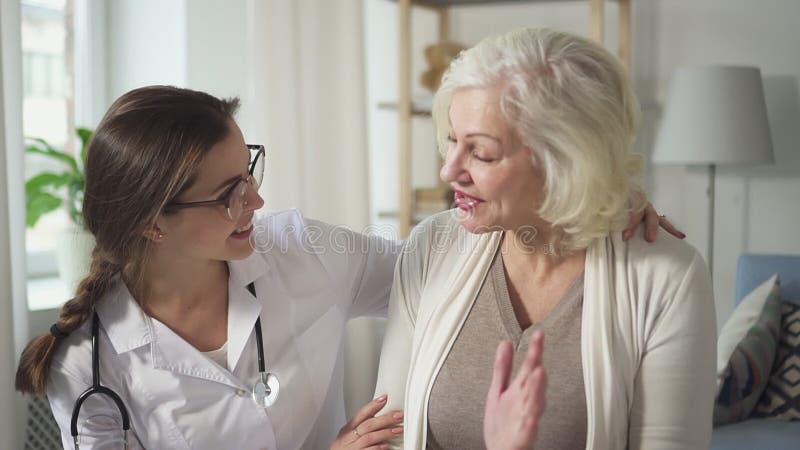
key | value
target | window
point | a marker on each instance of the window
(48, 109)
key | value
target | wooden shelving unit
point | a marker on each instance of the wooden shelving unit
(406, 214)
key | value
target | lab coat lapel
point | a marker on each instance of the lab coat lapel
(243, 310)
(123, 320)
(243, 307)
(171, 352)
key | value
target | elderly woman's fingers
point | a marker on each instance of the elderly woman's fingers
(533, 358)
(503, 362)
(536, 391)
(535, 401)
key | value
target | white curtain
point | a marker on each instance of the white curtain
(306, 100)
(13, 305)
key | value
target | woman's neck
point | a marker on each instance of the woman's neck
(190, 297)
(539, 252)
(183, 286)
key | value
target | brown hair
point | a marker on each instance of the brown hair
(145, 152)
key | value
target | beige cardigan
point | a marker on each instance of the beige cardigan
(648, 334)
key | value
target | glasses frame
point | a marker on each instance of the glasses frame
(224, 199)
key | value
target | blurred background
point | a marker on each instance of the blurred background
(328, 88)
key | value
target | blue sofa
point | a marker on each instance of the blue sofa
(762, 434)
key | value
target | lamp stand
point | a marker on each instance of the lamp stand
(712, 172)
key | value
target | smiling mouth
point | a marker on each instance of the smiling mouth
(243, 229)
(465, 201)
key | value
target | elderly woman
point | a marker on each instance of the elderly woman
(536, 128)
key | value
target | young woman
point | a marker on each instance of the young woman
(208, 323)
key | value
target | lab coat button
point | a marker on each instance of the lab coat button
(241, 392)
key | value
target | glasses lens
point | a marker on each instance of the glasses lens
(257, 165)
(235, 200)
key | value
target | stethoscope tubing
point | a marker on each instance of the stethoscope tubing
(97, 388)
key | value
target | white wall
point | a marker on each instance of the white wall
(216, 61)
(757, 207)
(146, 44)
(13, 305)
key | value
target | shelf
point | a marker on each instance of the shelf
(447, 3)
(416, 108)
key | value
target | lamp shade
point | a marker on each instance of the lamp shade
(715, 115)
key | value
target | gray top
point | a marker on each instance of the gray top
(458, 396)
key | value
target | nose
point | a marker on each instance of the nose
(454, 168)
(252, 199)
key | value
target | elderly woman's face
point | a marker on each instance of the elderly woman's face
(491, 173)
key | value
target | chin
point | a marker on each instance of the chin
(475, 223)
(240, 250)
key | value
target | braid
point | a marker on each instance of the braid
(34, 365)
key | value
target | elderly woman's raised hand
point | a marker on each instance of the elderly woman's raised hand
(514, 408)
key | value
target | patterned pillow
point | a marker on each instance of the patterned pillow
(781, 399)
(746, 352)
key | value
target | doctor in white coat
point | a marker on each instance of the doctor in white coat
(184, 273)
(171, 197)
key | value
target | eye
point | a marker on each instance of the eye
(480, 157)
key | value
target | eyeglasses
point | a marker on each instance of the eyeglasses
(233, 197)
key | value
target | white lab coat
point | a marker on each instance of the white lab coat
(310, 278)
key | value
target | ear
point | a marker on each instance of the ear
(154, 233)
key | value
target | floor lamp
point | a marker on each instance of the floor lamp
(714, 115)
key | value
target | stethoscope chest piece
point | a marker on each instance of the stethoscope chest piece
(265, 391)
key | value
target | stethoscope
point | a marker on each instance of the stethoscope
(265, 390)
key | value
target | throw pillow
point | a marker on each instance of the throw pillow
(781, 399)
(746, 352)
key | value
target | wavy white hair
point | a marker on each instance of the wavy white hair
(571, 102)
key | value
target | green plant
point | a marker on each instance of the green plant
(48, 191)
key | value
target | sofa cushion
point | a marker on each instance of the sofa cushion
(746, 352)
(781, 398)
(757, 434)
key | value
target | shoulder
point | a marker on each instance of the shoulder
(72, 358)
(290, 229)
(655, 278)
(270, 226)
(438, 236)
(440, 246)
(667, 260)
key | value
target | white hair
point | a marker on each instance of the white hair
(571, 102)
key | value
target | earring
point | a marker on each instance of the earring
(160, 235)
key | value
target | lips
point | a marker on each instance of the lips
(465, 201)
(243, 229)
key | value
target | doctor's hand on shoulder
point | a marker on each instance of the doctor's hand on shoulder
(514, 408)
(367, 431)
